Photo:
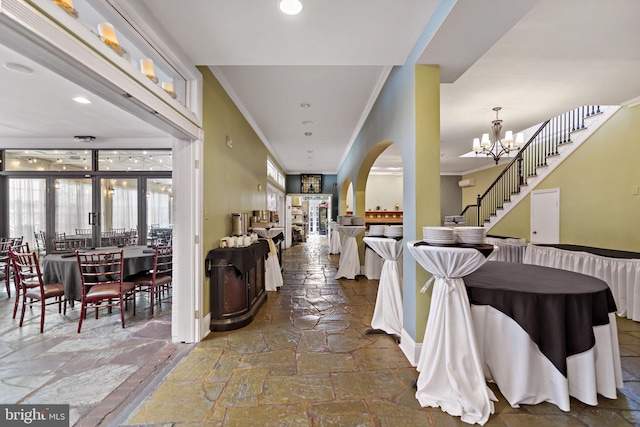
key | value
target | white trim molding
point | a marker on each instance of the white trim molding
(410, 348)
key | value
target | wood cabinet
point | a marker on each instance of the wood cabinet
(237, 282)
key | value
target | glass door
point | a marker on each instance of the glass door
(75, 219)
(118, 211)
(159, 211)
(28, 211)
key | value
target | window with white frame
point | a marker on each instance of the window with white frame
(275, 174)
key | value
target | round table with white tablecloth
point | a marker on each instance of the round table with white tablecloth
(387, 314)
(451, 373)
(349, 258)
(334, 238)
(372, 263)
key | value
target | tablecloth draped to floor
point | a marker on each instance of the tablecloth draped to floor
(451, 374)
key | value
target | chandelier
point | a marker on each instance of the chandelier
(494, 146)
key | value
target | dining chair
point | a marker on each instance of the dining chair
(33, 288)
(71, 244)
(19, 288)
(122, 240)
(102, 283)
(159, 278)
(5, 259)
(41, 243)
(5, 263)
(132, 237)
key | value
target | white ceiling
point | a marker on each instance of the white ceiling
(534, 58)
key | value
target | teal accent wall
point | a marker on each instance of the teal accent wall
(292, 186)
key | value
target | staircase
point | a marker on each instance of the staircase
(547, 147)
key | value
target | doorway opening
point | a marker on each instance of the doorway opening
(306, 215)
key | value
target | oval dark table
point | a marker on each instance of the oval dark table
(545, 334)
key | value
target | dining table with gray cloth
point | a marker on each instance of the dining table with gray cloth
(63, 267)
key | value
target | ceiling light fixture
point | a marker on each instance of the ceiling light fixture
(308, 133)
(290, 7)
(81, 100)
(305, 105)
(18, 68)
(493, 146)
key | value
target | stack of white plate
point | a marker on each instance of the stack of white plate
(345, 220)
(438, 235)
(473, 235)
(393, 231)
(376, 229)
(357, 220)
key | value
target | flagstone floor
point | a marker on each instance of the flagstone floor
(96, 371)
(304, 361)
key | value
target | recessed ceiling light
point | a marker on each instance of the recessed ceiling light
(291, 7)
(18, 68)
(81, 100)
(309, 151)
(305, 105)
(307, 122)
(308, 133)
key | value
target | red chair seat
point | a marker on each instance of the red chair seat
(147, 280)
(50, 291)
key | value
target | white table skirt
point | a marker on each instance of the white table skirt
(372, 264)
(622, 275)
(349, 266)
(509, 250)
(450, 366)
(387, 314)
(272, 273)
(335, 246)
(526, 376)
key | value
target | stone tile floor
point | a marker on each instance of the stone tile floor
(96, 371)
(303, 362)
(306, 362)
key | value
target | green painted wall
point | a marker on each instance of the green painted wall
(484, 179)
(231, 175)
(427, 167)
(599, 204)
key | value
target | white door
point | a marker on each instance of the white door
(545, 216)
